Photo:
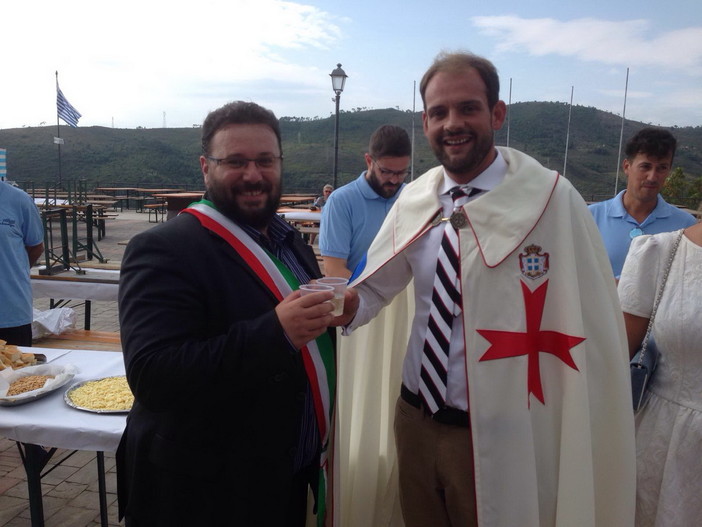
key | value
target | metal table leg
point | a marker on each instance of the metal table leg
(35, 459)
(102, 488)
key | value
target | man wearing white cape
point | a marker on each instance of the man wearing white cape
(536, 427)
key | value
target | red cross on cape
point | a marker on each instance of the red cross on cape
(532, 342)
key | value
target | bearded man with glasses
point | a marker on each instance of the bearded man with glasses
(232, 370)
(354, 213)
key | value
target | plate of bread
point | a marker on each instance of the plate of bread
(14, 358)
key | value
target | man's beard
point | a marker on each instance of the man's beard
(382, 190)
(226, 203)
(468, 162)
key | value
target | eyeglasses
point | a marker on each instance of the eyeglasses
(388, 172)
(237, 163)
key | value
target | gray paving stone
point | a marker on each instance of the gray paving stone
(66, 490)
(70, 497)
(10, 507)
(71, 517)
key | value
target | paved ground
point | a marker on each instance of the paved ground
(118, 232)
(70, 489)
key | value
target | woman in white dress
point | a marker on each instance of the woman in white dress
(669, 427)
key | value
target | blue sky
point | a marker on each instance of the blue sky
(145, 62)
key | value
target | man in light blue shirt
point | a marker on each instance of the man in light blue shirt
(354, 213)
(639, 209)
(21, 244)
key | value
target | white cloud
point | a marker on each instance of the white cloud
(624, 43)
(135, 59)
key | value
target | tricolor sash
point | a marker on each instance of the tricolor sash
(317, 355)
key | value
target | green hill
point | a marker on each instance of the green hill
(169, 156)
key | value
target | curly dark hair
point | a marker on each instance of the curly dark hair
(654, 142)
(238, 112)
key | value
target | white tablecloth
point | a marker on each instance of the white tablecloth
(51, 422)
(45, 287)
(303, 215)
(51, 201)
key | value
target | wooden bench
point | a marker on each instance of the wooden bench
(120, 201)
(139, 202)
(83, 339)
(157, 209)
(309, 232)
(104, 204)
(99, 221)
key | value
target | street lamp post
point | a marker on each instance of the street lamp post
(338, 77)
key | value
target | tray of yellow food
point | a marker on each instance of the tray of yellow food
(109, 395)
(11, 357)
(21, 386)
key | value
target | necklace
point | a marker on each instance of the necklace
(636, 231)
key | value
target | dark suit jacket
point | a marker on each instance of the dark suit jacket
(219, 390)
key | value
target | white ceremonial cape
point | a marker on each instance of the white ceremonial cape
(550, 396)
(367, 387)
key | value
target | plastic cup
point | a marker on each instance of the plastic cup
(339, 285)
(307, 289)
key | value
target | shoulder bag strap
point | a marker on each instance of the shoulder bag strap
(671, 257)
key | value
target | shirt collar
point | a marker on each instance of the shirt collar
(618, 211)
(487, 180)
(279, 233)
(368, 193)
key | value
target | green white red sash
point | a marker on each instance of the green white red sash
(317, 355)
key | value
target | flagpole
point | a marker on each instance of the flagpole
(58, 134)
(414, 106)
(621, 134)
(570, 111)
(509, 109)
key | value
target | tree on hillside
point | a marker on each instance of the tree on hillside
(680, 190)
(675, 186)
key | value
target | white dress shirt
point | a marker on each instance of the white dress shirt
(419, 261)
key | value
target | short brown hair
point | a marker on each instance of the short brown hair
(459, 62)
(238, 112)
(389, 141)
(655, 142)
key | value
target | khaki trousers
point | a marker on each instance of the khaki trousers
(437, 486)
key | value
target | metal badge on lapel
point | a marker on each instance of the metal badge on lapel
(533, 263)
(458, 219)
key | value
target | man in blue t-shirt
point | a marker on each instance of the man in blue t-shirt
(21, 244)
(354, 213)
(639, 209)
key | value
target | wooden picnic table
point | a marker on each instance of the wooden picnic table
(296, 199)
(115, 189)
(157, 190)
(293, 214)
(177, 201)
(120, 194)
(306, 221)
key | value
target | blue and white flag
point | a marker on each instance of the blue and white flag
(3, 164)
(65, 111)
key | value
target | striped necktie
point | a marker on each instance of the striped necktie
(445, 306)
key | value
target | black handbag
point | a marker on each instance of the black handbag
(643, 364)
